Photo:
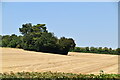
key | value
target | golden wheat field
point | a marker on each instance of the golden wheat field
(18, 60)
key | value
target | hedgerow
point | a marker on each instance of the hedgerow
(56, 76)
(98, 50)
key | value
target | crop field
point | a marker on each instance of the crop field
(19, 60)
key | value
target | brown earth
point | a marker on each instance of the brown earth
(18, 60)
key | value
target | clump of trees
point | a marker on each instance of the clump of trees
(99, 50)
(37, 38)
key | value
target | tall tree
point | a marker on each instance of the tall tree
(38, 38)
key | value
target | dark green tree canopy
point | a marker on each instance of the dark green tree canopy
(37, 37)
(28, 28)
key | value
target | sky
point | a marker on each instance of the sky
(88, 23)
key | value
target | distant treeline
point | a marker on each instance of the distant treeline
(37, 38)
(98, 50)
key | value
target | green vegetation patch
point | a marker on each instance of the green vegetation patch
(99, 50)
(37, 38)
(56, 76)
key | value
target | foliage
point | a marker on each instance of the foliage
(66, 44)
(11, 41)
(57, 76)
(118, 50)
(37, 38)
(98, 50)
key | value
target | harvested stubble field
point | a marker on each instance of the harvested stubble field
(18, 60)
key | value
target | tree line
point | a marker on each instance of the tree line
(37, 38)
(99, 50)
